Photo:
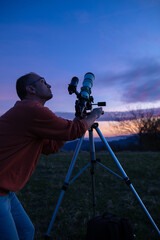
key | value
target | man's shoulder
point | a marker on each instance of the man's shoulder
(34, 108)
(27, 110)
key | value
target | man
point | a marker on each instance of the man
(27, 130)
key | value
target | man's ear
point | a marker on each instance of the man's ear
(30, 90)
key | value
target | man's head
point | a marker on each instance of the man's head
(33, 86)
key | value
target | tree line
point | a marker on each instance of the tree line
(144, 123)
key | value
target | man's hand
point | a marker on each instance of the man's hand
(97, 112)
(94, 114)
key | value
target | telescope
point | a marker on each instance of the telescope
(85, 101)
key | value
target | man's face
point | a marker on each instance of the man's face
(42, 89)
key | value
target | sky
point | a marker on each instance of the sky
(118, 41)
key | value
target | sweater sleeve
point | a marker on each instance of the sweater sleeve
(45, 124)
(51, 146)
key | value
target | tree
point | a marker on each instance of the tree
(145, 123)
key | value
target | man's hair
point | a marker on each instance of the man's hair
(21, 84)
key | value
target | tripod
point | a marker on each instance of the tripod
(92, 163)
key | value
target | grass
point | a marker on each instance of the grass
(41, 193)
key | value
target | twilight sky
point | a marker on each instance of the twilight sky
(119, 41)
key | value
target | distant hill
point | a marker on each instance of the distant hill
(116, 116)
(122, 143)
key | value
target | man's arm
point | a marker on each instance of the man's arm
(51, 146)
(46, 125)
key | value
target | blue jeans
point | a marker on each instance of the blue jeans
(14, 222)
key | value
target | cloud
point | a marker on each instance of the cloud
(138, 83)
(145, 92)
(143, 83)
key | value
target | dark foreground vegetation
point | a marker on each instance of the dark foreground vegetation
(40, 195)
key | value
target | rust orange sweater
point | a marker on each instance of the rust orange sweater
(27, 130)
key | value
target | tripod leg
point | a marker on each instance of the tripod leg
(128, 182)
(93, 161)
(65, 185)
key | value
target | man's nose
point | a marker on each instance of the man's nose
(48, 85)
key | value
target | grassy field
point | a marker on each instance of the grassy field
(40, 195)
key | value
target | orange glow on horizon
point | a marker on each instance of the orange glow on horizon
(109, 129)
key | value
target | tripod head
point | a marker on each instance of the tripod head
(84, 100)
